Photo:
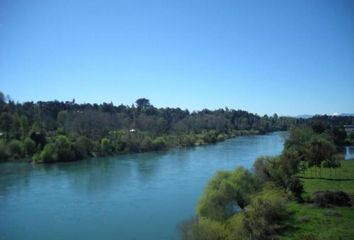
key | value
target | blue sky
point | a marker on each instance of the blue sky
(288, 57)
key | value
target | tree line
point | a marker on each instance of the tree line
(54, 131)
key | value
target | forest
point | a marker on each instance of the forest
(54, 131)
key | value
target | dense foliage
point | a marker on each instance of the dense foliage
(66, 131)
(243, 204)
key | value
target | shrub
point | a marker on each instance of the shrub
(306, 236)
(296, 187)
(105, 146)
(29, 146)
(202, 229)
(64, 149)
(261, 169)
(225, 193)
(146, 144)
(331, 198)
(83, 147)
(159, 143)
(48, 154)
(265, 212)
(15, 148)
(4, 154)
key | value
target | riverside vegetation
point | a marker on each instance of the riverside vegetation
(53, 131)
(304, 193)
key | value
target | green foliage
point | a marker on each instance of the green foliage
(262, 169)
(64, 149)
(313, 223)
(106, 147)
(262, 217)
(202, 229)
(83, 147)
(296, 187)
(320, 149)
(29, 146)
(155, 128)
(6, 122)
(47, 155)
(15, 148)
(225, 193)
(4, 154)
(159, 143)
(263, 214)
(188, 140)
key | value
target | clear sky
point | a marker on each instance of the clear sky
(289, 57)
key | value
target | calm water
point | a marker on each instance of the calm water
(349, 152)
(137, 196)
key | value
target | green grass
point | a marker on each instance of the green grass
(308, 222)
(330, 179)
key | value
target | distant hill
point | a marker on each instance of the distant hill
(307, 116)
(304, 116)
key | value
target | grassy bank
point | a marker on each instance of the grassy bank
(310, 222)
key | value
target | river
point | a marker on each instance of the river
(133, 196)
(349, 153)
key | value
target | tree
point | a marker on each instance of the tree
(106, 147)
(320, 149)
(202, 229)
(143, 103)
(4, 154)
(159, 143)
(296, 187)
(6, 121)
(83, 147)
(15, 148)
(226, 192)
(29, 146)
(261, 218)
(64, 149)
(47, 155)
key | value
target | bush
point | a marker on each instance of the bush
(236, 227)
(83, 147)
(64, 149)
(4, 154)
(159, 143)
(188, 140)
(29, 146)
(146, 144)
(261, 169)
(296, 187)
(15, 148)
(106, 147)
(226, 193)
(263, 215)
(202, 229)
(48, 154)
(331, 198)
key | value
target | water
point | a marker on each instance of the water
(349, 152)
(136, 196)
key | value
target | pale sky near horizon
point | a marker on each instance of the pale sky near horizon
(288, 57)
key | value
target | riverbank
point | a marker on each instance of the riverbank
(262, 203)
(310, 222)
(61, 148)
